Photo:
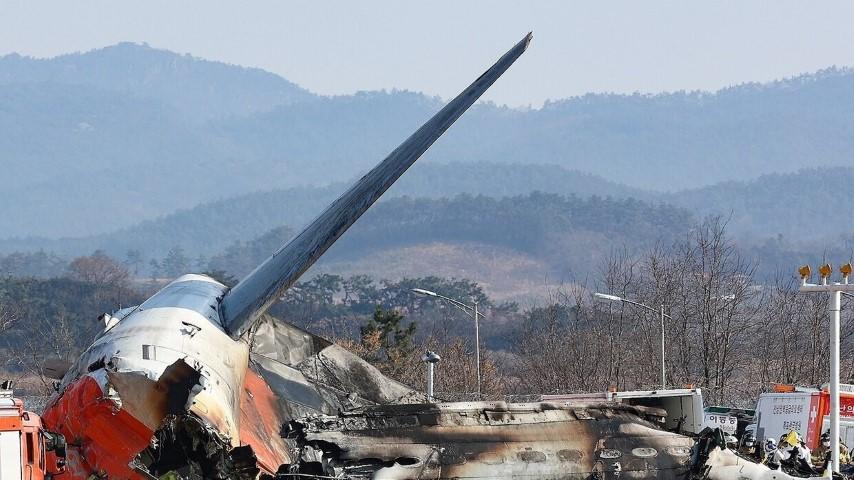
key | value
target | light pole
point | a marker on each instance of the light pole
(835, 290)
(615, 298)
(471, 311)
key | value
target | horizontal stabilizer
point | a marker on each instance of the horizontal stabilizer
(244, 303)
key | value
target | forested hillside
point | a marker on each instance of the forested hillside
(807, 206)
(524, 238)
(780, 220)
(208, 228)
(565, 235)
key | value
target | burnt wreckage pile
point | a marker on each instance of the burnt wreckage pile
(488, 440)
(342, 418)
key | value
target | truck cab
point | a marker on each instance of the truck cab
(27, 450)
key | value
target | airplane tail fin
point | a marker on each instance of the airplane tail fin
(251, 297)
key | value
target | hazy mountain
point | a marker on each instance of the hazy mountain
(94, 142)
(664, 142)
(198, 88)
(208, 228)
(809, 206)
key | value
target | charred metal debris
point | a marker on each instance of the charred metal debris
(487, 440)
(186, 448)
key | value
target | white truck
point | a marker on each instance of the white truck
(804, 410)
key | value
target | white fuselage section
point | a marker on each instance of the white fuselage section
(180, 322)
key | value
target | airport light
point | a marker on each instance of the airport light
(615, 298)
(836, 290)
(471, 311)
(825, 271)
(845, 270)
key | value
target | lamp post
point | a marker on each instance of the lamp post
(615, 298)
(471, 311)
(835, 290)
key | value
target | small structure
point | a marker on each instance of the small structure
(431, 359)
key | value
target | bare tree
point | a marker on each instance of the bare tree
(8, 318)
(567, 347)
(55, 338)
(714, 310)
(98, 269)
(723, 303)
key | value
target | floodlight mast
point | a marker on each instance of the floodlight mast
(835, 290)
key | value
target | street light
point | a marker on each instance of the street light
(471, 311)
(615, 298)
(836, 290)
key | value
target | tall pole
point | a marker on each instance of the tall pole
(835, 307)
(477, 347)
(429, 381)
(663, 374)
(835, 290)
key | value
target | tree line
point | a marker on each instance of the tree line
(724, 331)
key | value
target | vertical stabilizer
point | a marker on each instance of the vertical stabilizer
(258, 290)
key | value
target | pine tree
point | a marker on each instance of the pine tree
(390, 339)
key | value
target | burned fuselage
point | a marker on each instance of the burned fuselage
(167, 358)
(488, 440)
(174, 374)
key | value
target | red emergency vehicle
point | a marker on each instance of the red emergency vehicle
(27, 450)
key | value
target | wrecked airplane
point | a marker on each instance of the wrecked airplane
(198, 382)
(167, 386)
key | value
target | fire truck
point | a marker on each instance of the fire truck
(27, 450)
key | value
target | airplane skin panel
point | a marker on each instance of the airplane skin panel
(193, 292)
(91, 419)
(244, 303)
(312, 376)
(261, 423)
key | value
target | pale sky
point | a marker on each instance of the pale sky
(439, 46)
